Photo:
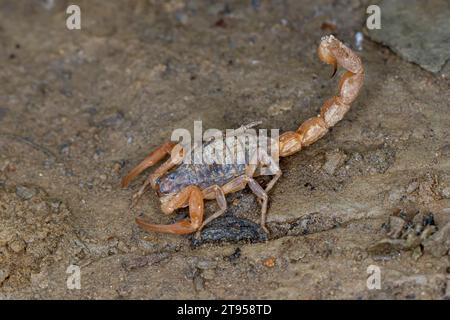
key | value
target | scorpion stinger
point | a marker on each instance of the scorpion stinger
(333, 52)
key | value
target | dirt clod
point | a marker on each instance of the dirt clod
(230, 229)
(25, 193)
(269, 262)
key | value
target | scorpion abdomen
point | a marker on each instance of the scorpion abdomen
(212, 168)
(201, 175)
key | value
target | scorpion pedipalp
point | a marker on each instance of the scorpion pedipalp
(154, 157)
(192, 196)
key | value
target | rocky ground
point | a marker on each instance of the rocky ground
(79, 108)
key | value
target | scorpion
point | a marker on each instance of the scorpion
(182, 185)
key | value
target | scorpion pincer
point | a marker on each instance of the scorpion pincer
(180, 184)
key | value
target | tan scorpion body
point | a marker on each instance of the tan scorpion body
(184, 185)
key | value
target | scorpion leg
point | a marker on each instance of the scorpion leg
(261, 194)
(260, 159)
(191, 195)
(155, 156)
(219, 195)
(240, 183)
(166, 166)
(151, 179)
(334, 52)
(268, 163)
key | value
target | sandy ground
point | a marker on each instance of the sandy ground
(78, 109)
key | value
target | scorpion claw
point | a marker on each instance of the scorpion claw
(335, 67)
(181, 227)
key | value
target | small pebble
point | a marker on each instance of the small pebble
(334, 160)
(206, 264)
(280, 107)
(417, 253)
(234, 256)
(199, 282)
(359, 38)
(55, 204)
(396, 194)
(296, 255)
(4, 274)
(209, 274)
(113, 120)
(256, 4)
(412, 187)
(17, 245)
(447, 290)
(117, 167)
(48, 4)
(446, 193)
(39, 280)
(122, 246)
(182, 17)
(269, 262)
(396, 225)
(64, 148)
(25, 193)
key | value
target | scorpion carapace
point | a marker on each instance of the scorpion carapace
(186, 185)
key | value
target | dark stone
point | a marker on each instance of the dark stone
(25, 193)
(230, 229)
